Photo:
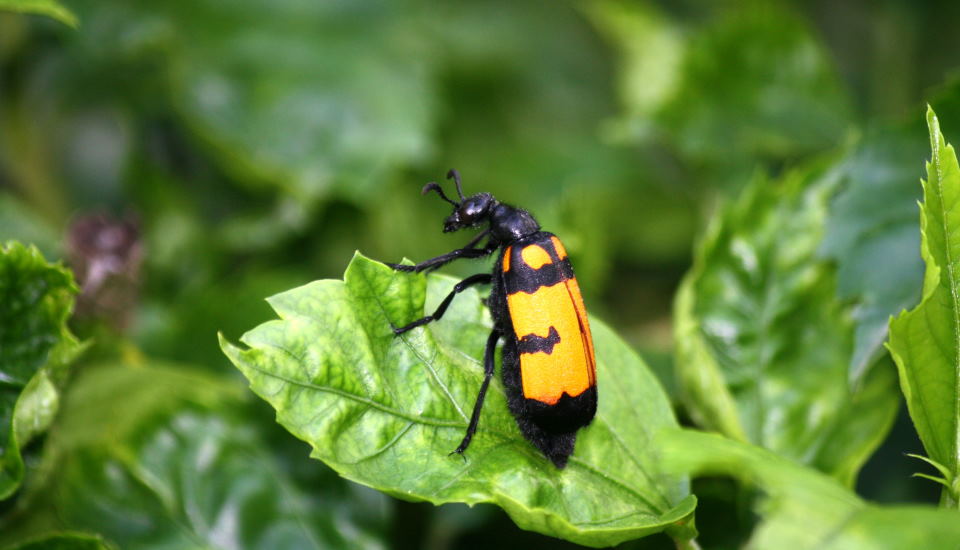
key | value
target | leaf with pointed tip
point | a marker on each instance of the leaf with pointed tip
(386, 411)
(804, 509)
(925, 341)
(763, 344)
(35, 349)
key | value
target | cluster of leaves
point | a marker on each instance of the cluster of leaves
(765, 348)
(253, 147)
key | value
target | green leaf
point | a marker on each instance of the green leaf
(651, 49)
(50, 8)
(286, 94)
(35, 349)
(804, 509)
(64, 541)
(925, 341)
(871, 219)
(763, 344)
(18, 222)
(386, 411)
(162, 457)
(755, 84)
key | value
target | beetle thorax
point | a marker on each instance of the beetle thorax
(509, 224)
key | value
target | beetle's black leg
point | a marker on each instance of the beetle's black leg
(468, 251)
(478, 279)
(489, 365)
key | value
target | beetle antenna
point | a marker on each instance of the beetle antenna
(434, 186)
(456, 177)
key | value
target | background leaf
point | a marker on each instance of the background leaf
(35, 349)
(924, 341)
(803, 509)
(386, 411)
(284, 93)
(50, 8)
(161, 457)
(64, 541)
(763, 345)
(727, 90)
(873, 216)
(770, 90)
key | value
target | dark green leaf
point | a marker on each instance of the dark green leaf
(651, 48)
(755, 85)
(293, 94)
(64, 541)
(387, 411)
(741, 86)
(873, 218)
(803, 509)
(925, 341)
(161, 457)
(763, 344)
(35, 348)
(50, 8)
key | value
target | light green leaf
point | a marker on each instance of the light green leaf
(386, 411)
(925, 341)
(763, 345)
(50, 8)
(804, 509)
(35, 349)
(160, 457)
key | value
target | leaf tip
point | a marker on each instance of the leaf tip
(227, 347)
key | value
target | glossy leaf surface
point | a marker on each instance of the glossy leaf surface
(762, 343)
(161, 457)
(386, 411)
(35, 348)
(925, 341)
(873, 218)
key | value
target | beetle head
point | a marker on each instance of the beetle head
(469, 211)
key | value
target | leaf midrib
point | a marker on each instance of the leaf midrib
(954, 297)
(436, 422)
(440, 423)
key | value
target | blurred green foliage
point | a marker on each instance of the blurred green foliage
(232, 151)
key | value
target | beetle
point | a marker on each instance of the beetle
(548, 365)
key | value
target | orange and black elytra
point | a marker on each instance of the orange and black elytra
(549, 370)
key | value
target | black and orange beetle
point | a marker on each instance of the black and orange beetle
(549, 370)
